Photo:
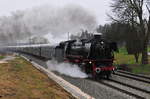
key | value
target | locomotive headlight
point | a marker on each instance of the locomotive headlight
(90, 62)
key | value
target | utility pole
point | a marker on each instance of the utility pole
(68, 36)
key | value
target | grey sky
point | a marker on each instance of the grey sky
(97, 7)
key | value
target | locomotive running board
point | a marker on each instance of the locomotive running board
(75, 91)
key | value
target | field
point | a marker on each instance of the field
(127, 62)
(20, 80)
(1, 56)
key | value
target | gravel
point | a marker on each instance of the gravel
(88, 86)
(134, 91)
(132, 82)
(131, 76)
(96, 89)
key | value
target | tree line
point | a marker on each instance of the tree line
(136, 14)
(130, 24)
(124, 35)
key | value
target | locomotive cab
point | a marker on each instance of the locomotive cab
(101, 56)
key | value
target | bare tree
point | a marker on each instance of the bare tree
(133, 12)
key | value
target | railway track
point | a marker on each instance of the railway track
(131, 86)
(140, 78)
(137, 75)
(130, 90)
(122, 90)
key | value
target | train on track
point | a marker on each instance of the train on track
(94, 56)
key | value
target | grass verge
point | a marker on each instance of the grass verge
(1, 57)
(20, 80)
(127, 62)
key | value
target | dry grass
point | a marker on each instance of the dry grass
(20, 80)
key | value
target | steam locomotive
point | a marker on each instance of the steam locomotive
(94, 56)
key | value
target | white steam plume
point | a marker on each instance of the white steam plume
(66, 69)
(39, 21)
(59, 20)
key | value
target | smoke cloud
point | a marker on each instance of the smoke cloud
(59, 21)
(42, 20)
(66, 69)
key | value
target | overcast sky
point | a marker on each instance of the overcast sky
(97, 7)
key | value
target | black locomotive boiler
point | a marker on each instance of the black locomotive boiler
(94, 56)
